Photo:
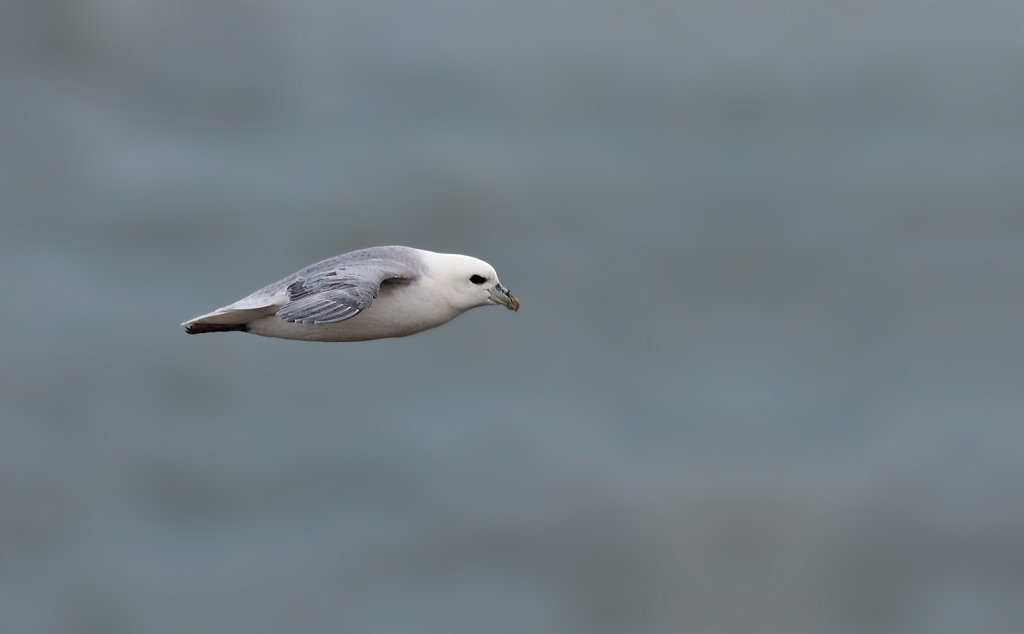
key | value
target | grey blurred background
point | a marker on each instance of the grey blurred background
(767, 376)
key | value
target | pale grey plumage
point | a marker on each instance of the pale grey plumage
(343, 290)
(390, 291)
(362, 266)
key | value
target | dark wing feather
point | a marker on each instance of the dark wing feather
(339, 293)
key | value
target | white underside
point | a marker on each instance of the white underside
(399, 310)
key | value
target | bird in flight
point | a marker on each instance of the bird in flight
(371, 293)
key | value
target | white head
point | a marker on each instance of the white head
(469, 282)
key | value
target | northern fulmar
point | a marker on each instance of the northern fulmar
(371, 293)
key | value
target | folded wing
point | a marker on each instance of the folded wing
(340, 293)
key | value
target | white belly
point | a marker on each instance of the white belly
(397, 312)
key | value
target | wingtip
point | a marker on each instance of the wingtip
(198, 329)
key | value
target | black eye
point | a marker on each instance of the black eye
(476, 279)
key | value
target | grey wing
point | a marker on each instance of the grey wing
(340, 293)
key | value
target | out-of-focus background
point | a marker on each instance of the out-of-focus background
(767, 376)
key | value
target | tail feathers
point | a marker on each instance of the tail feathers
(200, 328)
(227, 319)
